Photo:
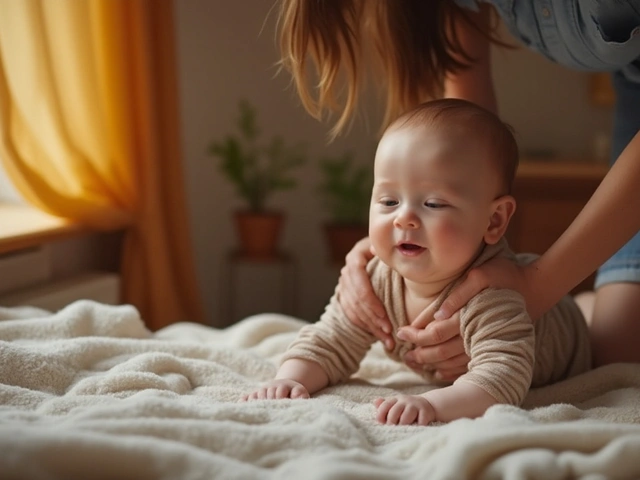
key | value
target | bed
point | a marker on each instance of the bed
(89, 392)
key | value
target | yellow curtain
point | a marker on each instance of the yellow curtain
(90, 132)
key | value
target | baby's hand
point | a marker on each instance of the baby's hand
(282, 388)
(405, 410)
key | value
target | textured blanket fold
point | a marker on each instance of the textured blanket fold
(89, 392)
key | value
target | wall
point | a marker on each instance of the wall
(227, 51)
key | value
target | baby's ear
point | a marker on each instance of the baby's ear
(502, 209)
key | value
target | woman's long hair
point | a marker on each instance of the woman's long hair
(406, 46)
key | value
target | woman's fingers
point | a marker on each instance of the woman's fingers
(433, 334)
(431, 357)
(497, 273)
(439, 347)
(357, 298)
(362, 306)
(457, 364)
(357, 294)
(425, 317)
(451, 374)
(448, 370)
(473, 284)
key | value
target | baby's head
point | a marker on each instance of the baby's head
(443, 175)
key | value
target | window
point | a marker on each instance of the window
(8, 193)
(22, 226)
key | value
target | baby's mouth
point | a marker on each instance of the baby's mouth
(410, 249)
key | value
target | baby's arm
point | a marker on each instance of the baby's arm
(296, 378)
(324, 353)
(500, 341)
(462, 399)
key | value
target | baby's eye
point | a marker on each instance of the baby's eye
(434, 205)
(388, 202)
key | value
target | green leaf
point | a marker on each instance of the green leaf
(346, 189)
(257, 170)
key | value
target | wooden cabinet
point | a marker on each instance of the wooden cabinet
(549, 195)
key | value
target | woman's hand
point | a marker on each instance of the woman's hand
(496, 273)
(356, 295)
(439, 347)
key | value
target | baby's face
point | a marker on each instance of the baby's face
(431, 201)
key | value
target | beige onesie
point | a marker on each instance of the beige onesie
(508, 354)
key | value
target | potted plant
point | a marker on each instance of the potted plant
(257, 170)
(346, 189)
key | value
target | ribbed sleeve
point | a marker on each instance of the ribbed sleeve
(500, 340)
(334, 343)
(508, 354)
(337, 345)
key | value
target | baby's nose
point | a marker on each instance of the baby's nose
(406, 218)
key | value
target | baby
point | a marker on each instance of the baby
(440, 205)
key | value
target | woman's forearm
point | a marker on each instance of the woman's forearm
(608, 220)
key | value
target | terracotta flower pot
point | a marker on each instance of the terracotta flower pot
(259, 233)
(342, 238)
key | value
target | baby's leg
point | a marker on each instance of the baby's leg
(615, 325)
(586, 301)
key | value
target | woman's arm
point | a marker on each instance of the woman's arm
(608, 220)
(474, 83)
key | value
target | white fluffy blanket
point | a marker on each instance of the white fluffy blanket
(89, 392)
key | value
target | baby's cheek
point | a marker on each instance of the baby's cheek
(449, 235)
(380, 233)
(459, 233)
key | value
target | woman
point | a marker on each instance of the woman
(428, 49)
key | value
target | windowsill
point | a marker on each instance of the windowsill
(22, 226)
